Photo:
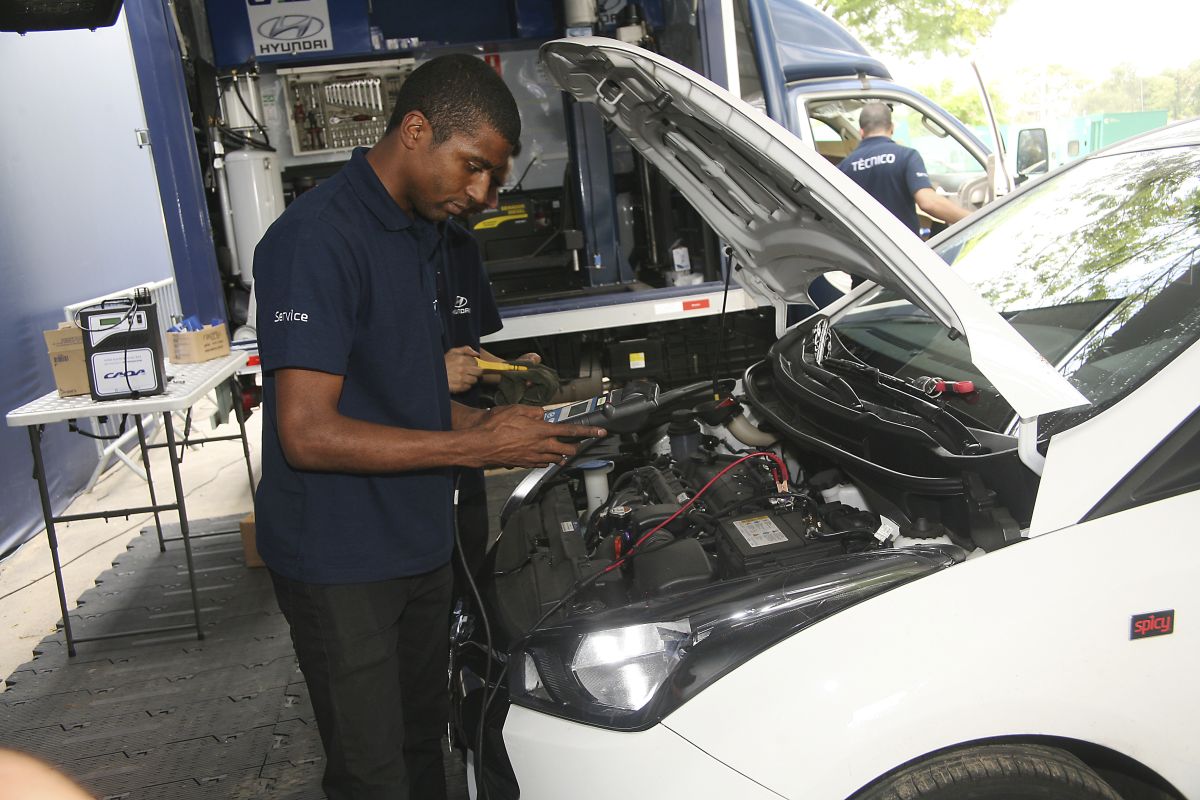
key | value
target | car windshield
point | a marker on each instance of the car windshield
(1096, 267)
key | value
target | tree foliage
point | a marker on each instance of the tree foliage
(906, 27)
(1058, 92)
(966, 104)
(1176, 90)
(1050, 92)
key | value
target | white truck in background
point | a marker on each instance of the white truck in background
(596, 262)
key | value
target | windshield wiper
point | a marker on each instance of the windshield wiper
(838, 385)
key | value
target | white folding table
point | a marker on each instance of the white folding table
(186, 385)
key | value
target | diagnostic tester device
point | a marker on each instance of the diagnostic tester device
(627, 410)
(122, 347)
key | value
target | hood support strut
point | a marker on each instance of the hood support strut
(1027, 446)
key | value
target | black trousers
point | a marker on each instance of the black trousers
(472, 526)
(374, 656)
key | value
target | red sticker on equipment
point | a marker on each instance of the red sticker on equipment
(693, 305)
(493, 61)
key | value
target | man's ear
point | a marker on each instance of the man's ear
(414, 130)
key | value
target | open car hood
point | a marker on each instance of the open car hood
(787, 213)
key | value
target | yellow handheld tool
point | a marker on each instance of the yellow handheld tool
(499, 366)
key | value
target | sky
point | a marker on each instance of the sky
(1092, 37)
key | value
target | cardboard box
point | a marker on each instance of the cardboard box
(192, 347)
(65, 348)
(250, 542)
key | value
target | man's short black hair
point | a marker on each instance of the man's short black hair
(875, 118)
(457, 93)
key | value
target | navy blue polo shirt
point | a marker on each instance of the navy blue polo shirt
(469, 313)
(465, 296)
(891, 173)
(346, 284)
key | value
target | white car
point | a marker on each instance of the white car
(934, 545)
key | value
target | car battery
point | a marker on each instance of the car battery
(764, 540)
(122, 348)
(522, 231)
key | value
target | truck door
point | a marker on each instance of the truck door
(957, 166)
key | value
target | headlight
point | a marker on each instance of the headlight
(624, 667)
(616, 670)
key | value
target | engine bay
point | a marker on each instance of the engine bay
(706, 491)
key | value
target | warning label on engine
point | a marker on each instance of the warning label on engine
(759, 531)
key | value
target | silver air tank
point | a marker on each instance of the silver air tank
(255, 200)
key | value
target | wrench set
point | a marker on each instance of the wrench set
(343, 107)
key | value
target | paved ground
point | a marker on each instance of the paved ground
(168, 717)
(171, 716)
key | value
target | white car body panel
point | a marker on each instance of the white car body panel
(964, 655)
(1032, 641)
(555, 758)
(777, 235)
(1129, 430)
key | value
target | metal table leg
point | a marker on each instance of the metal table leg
(141, 432)
(183, 520)
(39, 472)
(241, 420)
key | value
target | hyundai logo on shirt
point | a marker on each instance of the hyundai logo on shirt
(461, 305)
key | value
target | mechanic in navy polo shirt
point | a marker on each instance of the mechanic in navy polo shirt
(360, 435)
(894, 174)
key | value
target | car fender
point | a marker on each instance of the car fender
(1129, 431)
(1031, 640)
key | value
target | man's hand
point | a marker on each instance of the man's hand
(461, 370)
(939, 207)
(519, 436)
(493, 378)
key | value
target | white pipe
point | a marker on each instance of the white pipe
(595, 483)
(1027, 446)
(747, 434)
(579, 13)
(226, 209)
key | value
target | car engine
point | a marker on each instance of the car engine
(678, 507)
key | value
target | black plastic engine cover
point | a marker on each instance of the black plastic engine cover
(675, 567)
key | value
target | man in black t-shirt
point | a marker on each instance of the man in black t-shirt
(894, 174)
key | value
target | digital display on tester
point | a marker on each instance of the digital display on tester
(567, 413)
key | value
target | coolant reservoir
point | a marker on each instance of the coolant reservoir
(684, 434)
(846, 493)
